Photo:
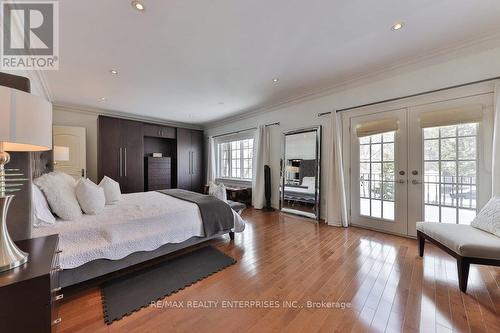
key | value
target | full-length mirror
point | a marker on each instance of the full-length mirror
(300, 172)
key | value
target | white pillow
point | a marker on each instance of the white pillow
(59, 189)
(90, 196)
(310, 182)
(488, 218)
(41, 211)
(218, 191)
(111, 190)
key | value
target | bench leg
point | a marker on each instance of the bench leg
(421, 243)
(463, 273)
(231, 235)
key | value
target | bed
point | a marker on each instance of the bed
(139, 228)
(304, 193)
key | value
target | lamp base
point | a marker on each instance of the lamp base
(10, 255)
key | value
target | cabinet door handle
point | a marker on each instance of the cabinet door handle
(191, 162)
(125, 161)
(56, 321)
(121, 161)
(59, 297)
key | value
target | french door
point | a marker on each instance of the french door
(378, 172)
(422, 163)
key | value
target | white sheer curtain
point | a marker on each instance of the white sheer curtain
(336, 207)
(495, 170)
(211, 160)
(260, 158)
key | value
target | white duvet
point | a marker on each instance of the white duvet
(138, 222)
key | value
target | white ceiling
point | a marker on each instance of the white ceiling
(180, 59)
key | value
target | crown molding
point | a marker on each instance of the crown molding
(104, 112)
(416, 62)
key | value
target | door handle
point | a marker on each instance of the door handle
(401, 181)
(121, 161)
(416, 182)
(190, 163)
(125, 161)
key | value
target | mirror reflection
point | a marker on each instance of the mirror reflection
(299, 191)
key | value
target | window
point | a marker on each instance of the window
(376, 175)
(450, 173)
(235, 159)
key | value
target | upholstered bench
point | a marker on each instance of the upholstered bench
(469, 245)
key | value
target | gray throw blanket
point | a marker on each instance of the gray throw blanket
(216, 215)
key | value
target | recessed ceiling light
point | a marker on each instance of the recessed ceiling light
(102, 99)
(113, 71)
(275, 80)
(221, 103)
(397, 26)
(138, 5)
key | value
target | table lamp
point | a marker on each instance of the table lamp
(61, 154)
(25, 126)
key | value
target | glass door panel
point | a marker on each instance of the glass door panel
(378, 176)
(450, 173)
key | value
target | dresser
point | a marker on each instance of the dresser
(29, 294)
(158, 174)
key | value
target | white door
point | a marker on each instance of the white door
(449, 167)
(434, 165)
(378, 171)
(73, 138)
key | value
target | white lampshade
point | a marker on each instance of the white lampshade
(25, 121)
(61, 153)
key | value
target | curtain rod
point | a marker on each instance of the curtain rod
(409, 96)
(244, 130)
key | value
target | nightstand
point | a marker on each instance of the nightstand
(29, 294)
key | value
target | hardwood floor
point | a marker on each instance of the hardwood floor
(380, 279)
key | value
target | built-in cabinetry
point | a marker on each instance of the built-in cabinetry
(125, 155)
(157, 131)
(121, 152)
(190, 159)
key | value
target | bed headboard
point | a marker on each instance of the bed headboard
(41, 163)
(307, 169)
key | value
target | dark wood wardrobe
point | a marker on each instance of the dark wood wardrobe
(125, 146)
(121, 152)
(190, 159)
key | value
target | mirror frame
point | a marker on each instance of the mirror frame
(317, 207)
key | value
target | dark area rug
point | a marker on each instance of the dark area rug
(130, 293)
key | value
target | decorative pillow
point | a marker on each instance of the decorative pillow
(112, 191)
(488, 218)
(310, 182)
(41, 211)
(218, 191)
(90, 196)
(59, 189)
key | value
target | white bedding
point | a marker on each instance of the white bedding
(299, 190)
(138, 222)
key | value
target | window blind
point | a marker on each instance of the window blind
(377, 127)
(454, 116)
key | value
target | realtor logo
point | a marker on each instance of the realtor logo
(30, 35)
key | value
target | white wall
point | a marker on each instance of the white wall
(447, 72)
